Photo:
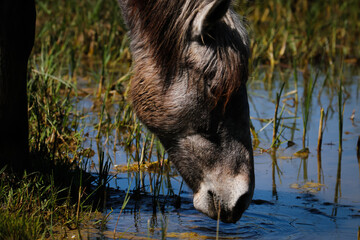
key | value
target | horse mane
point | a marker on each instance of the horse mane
(164, 26)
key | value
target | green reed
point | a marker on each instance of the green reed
(341, 107)
(34, 206)
(277, 119)
(321, 130)
(308, 93)
(303, 30)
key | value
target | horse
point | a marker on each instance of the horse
(190, 67)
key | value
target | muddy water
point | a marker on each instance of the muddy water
(317, 196)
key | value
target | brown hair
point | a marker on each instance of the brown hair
(165, 28)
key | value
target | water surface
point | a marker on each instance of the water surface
(295, 198)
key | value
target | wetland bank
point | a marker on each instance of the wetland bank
(305, 57)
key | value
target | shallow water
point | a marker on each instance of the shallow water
(295, 198)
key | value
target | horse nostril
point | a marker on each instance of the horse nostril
(232, 215)
(227, 213)
(241, 205)
(214, 201)
(224, 198)
(212, 197)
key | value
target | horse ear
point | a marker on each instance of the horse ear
(211, 13)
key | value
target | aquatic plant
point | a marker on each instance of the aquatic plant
(308, 92)
(277, 119)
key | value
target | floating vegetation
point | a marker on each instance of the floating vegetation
(152, 167)
(311, 187)
(303, 153)
(186, 235)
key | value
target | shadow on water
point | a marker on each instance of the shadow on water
(298, 195)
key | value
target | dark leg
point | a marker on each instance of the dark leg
(17, 31)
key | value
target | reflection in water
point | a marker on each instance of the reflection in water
(319, 144)
(319, 171)
(275, 170)
(296, 104)
(304, 162)
(274, 163)
(337, 186)
(358, 153)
